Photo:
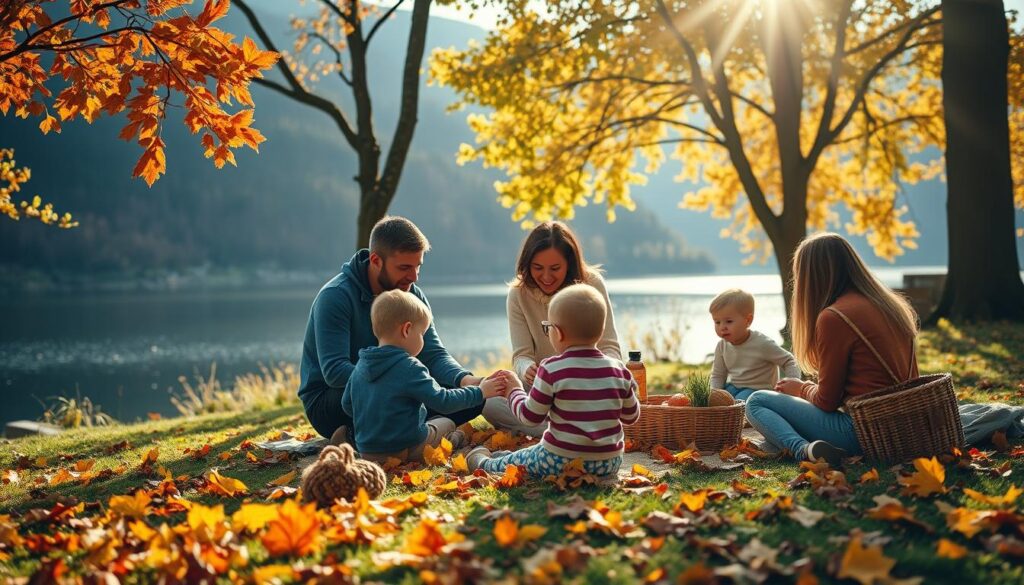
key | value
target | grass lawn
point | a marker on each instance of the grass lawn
(56, 511)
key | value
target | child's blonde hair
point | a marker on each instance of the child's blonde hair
(393, 308)
(734, 297)
(580, 311)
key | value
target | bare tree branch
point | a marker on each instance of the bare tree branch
(865, 82)
(382, 20)
(835, 70)
(295, 89)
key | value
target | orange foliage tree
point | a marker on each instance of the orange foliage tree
(60, 61)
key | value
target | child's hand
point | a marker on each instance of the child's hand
(494, 386)
(791, 386)
(530, 374)
(511, 380)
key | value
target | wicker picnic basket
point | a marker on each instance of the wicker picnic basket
(917, 418)
(711, 428)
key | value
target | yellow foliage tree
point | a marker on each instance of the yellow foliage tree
(11, 179)
(785, 112)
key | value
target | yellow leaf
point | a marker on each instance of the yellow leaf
(84, 465)
(965, 521)
(417, 478)
(224, 485)
(142, 531)
(437, 455)
(694, 502)
(49, 123)
(506, 529)
(655, 576)
(295, 531)
(459, 464)
(927, 480)
(253, 517)
(530, 532)
(864, 564)
(1004, 501)
(641, 470)
(285, 479)
(947, 549)
(150, 457)
(207, 524)
(134, 506)
(272, 574)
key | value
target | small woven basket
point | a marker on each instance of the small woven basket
(712, 428)
(918, 418)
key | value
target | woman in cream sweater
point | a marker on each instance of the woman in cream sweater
(551, 259)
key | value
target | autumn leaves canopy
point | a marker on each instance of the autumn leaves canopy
(136, 58)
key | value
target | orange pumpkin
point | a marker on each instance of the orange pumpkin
(678, 400)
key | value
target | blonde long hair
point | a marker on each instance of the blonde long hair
(824, 267)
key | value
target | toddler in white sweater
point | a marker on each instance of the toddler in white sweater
(745, 360)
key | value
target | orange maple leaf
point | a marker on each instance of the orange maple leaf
(513, 476)
(425, 540)
(295, 531)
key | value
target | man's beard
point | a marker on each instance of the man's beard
(385, 282)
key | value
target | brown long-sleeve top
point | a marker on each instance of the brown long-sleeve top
(847, 367)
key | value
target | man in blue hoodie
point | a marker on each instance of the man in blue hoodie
(339, 326)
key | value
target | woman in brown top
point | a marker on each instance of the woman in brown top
(850, 330)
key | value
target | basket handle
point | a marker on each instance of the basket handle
(875, 351)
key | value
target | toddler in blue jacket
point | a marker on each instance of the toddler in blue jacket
(390, 390)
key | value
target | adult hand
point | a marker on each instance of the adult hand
(470, 381)
(530, 374)
(791, 386)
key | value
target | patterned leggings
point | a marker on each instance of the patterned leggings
(539, 462)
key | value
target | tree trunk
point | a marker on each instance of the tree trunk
(373, 206)
(983, 281)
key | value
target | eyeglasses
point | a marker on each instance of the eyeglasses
(546, 327)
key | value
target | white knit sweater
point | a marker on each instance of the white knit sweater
(527, 307)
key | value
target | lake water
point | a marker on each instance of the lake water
(126, 352)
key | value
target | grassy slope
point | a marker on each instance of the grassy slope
(984, 361)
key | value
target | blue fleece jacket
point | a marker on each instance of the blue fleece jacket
(339, 326)
(387, 397)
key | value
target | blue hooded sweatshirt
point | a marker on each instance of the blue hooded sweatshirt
(387, 397)
(339, 326)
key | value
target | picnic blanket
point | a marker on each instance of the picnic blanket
(289, 444)
(981, 420)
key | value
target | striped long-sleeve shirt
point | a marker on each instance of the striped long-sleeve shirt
(586, 397)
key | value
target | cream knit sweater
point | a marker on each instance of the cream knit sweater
(527, 307)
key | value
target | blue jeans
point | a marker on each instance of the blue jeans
(539, 463)
(791, 423)
(739, 393)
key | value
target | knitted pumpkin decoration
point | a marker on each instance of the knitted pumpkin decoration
(338, 474)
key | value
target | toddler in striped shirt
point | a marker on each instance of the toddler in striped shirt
(584, 395)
